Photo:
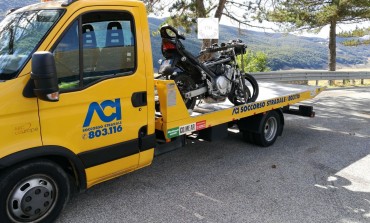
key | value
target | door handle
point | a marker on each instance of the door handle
(138, 99)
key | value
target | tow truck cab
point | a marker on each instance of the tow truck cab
(77, 104)
(85, 103)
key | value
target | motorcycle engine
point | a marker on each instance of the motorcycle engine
(223, 82)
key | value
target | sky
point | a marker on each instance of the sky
(324, 33)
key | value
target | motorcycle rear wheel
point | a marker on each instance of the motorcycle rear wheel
(185, 84)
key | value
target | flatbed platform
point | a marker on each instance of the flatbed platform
(174, 119)
(268, 90)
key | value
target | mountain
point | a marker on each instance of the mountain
(284, 51)
(7, 5)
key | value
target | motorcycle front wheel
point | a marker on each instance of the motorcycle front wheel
(251, 90)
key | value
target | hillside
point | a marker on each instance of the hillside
(283, 51)
(6, 5)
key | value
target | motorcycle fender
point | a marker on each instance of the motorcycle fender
(166, 69)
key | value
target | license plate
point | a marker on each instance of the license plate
(167, 62)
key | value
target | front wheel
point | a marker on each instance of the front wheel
(246, 92)
(251, 83)
(35, 191)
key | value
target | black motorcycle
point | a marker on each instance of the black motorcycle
(214, 80)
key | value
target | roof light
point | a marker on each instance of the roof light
(65, 2)
(68, 2)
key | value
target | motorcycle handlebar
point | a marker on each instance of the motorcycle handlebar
(223, 47)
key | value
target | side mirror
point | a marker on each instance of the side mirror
(44, 76)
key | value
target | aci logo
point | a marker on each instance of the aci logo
(99, 109)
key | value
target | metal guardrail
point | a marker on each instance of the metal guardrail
(310, 75)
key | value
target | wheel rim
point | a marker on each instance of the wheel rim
(32, 199)
(270, 129)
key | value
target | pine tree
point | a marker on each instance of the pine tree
(184, 13)
(313, 15)
(359, 36)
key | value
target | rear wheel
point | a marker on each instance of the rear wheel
(271, 127)
(185, 84)
(35, 191)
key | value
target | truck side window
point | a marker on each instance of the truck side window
(66, 56)
(108, 49)
(114, 35)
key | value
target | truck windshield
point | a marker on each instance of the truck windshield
(20, 34)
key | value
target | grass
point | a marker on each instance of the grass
(340, 83)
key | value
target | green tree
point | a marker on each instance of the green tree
(313, 15)
(184, 13)
(253, 61)
(354, 37)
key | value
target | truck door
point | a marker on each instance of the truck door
(102, 108)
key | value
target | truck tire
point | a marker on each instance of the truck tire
(35, 191)
(271, 127)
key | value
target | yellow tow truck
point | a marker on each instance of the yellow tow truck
(78, 104)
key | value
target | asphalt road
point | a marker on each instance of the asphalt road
(321, 174)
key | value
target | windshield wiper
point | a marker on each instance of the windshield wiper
(11, 41)
(11, 10)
